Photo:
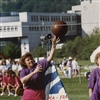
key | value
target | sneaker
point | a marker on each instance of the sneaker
(15, 95)
(2, 94)
(10, 94)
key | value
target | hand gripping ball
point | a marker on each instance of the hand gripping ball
(59, 28)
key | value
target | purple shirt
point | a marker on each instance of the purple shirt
(96, 91)
(37, 81)
(95, 74)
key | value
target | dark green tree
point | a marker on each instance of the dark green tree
(39, 5)
(39, 52)
(11, 50)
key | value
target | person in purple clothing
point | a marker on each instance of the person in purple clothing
(96, 92)
(94, 76)
(33, 74)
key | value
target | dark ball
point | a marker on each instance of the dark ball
(59, 28)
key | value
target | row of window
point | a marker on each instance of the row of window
(41, 28)
(53, 18)
(8, 28)
(33, 28)
(48, 28)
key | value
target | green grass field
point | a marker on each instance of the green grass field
(75, 90)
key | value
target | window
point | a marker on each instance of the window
(68, 18)
(53, 18)
(16, 28)
(64, 18)
(69, 27)
(0, 28)
(34, 18)
(74, 27)
(12, 28)
(73, 18)
(4, 28)
(8, 28)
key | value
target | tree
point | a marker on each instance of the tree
(39, 5)
(81, 48)
(11, 50)
(39, 52)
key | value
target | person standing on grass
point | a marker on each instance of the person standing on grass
(74, 67)
(69, 67)
(33, 74)
(94, 76)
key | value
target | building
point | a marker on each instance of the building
(90, 15)
(26, 28)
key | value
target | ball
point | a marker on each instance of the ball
(59, 28)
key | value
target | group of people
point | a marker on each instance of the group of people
(9, 76)
(32, 74)
(70, 67)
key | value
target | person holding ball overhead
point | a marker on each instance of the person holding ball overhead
(32, 74)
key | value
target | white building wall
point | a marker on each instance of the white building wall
(90, 16)
(23, 17)
(11, 29)
(76, 8)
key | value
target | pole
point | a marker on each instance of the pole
(80, 79)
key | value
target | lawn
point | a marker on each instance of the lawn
(5, 97)
(75, 90)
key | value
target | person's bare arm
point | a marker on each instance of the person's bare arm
(11, 85)
(55, 40)
(27, 77)
(90, 92)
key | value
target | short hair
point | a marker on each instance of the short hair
(12, 72)
(22, 59)
(96, 58)
(3, 61)
(6, 71)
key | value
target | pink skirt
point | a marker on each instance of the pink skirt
(33, 94)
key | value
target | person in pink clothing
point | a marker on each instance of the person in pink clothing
(32, 74)
(5, 82)
(1, 78)
(18, 85)
(13, 82)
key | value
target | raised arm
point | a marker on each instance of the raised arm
(55, 40)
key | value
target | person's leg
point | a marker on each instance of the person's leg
(3, 89)
(9, 90)
(16, 89)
